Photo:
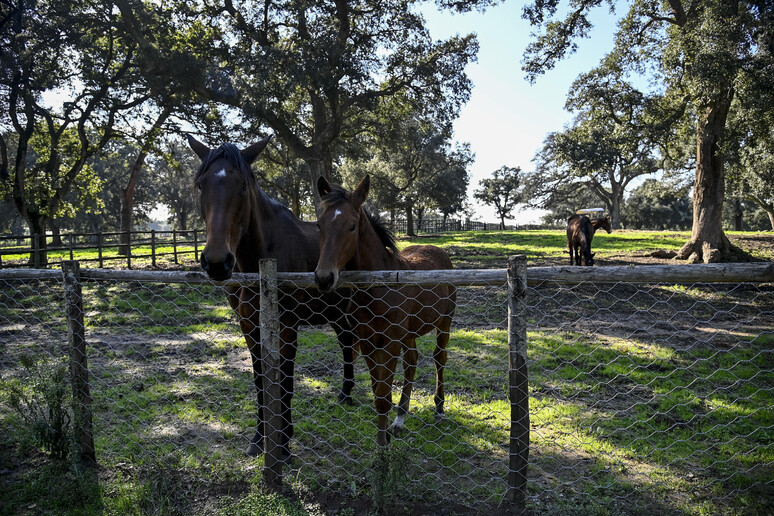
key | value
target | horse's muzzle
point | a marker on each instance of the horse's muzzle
(325, 281)
(220, 270)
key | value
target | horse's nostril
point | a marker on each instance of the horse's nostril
(229, 262)
(205, 264)
(324, 281)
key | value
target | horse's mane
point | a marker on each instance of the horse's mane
(233, 155)
(385, 235)
(339, 194)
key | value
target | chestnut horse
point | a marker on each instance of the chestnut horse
(580, 232)
(245, 225)
(386, 320)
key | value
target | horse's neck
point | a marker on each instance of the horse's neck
(253, 244)
(371, 253)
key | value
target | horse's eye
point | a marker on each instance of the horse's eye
(318, 225)
(352, 229)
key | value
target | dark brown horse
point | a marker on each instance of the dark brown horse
(245, 225)
(580, 232)
(387, 320)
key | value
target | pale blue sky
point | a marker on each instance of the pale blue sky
(507, 119)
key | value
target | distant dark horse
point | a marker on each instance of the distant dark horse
(387, 321)
(245, 225)
(580, 232)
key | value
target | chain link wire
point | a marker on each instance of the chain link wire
(642, 397)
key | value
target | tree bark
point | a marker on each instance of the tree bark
(38, 225)
(738, 214)
(410, 220)
(127, 194)
(708, 242)
(318, 167)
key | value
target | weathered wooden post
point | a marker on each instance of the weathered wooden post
(99, 248)
(128, 249)
(518, 456)
(196, 245)
(153, 248)
(174, 244)
(270, 357)
(36, 261)
(79, 370)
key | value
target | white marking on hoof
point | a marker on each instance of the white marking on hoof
(397, 426)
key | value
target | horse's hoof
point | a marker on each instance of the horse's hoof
(396, 431)
(345, 399)
(440, 415)
(253, 450)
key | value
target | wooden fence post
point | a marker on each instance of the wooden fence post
(518, 456)
(128, 249)
(270, 356)
(99, 248)
(79, 370)
(174, 244)
(36, 250)
(153, 248)
(196, 245)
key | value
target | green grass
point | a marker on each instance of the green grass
(468, 249)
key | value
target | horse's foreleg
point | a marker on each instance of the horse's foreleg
(253, 339)
(381, 365)
(409, 373)
(346, 341)
(288, 348)
(439, 357)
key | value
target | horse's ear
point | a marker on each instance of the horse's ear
(249, 154)
(323, 186)
(198, 147)
(360, 193)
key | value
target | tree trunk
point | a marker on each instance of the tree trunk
(502, 223)
(127, 194)
(708, 242)
(127, 203)
(615, 208)
(56, 235)
(37, 225)
(318, 167)
(410, 220)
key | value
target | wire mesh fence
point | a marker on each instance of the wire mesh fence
(642, 397)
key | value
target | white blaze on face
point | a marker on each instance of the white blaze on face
(221, 173)
(336, 214)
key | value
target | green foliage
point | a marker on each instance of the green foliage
(389, 473)
(259, 503)
(501, 191)
(42, 400)
(657, 205)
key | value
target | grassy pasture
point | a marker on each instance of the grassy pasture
(469, 249)
(642, 400)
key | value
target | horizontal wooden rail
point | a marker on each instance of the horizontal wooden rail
(759, 272)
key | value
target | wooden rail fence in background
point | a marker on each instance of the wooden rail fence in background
(152, 244)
